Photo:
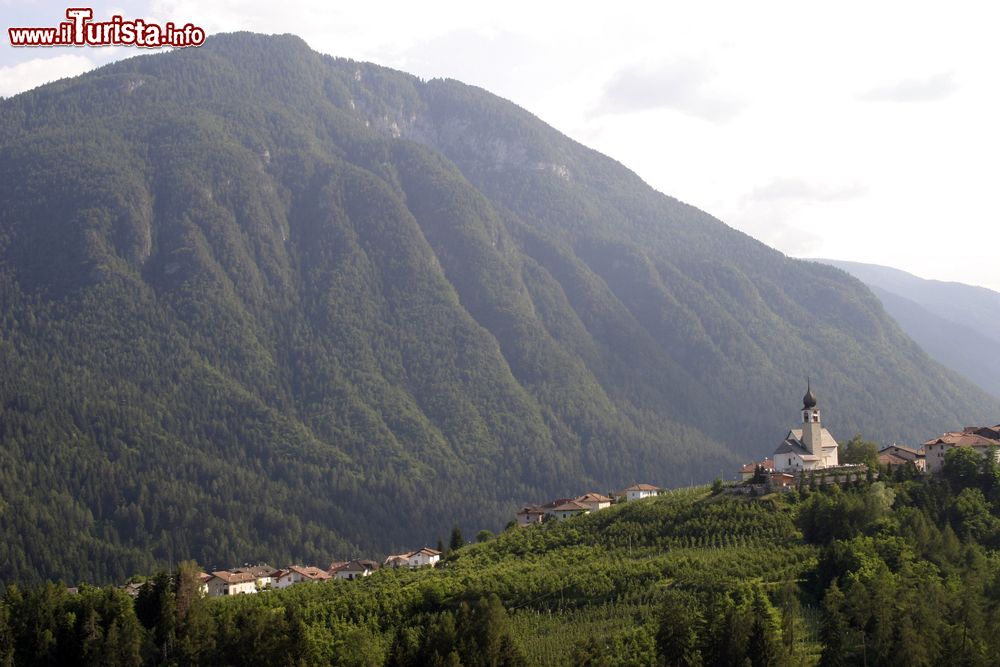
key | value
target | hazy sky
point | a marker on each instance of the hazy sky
(864, 131)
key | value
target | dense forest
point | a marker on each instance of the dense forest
(259, 304)
(900, 571)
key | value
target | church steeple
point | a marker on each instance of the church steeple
(812, 428)
(809, 400)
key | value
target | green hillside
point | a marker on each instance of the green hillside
(897, 572)
(262, 304)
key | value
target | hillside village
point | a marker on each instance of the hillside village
(247, 579)
(811, 451)
(805, 455)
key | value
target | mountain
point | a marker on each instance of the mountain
(259, 303)
(958, 325)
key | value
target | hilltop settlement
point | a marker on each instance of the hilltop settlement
(808, 454)
(811, 451)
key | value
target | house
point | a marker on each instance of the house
(810, 447)
(529, 515)
(780, 480)
(750, 469)
(569, 510)
(355, 569)
(297, 574)
(424, 557)
(638, 492)
(594, 501)
(990, 432)
(225, 582)
(936, 449)
(550, 506)
(898, 455)
(261, 572)
(419, 558)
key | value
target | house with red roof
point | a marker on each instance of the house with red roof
(638, 492)
(936, 448)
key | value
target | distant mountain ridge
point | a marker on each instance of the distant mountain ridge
(957, 324)
(259, 304)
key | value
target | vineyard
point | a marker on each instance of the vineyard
(687, 578)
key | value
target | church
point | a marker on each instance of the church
(810, 447)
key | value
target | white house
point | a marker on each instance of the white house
(638, 492)
(935, 450)
(225, 582)
(810, 447)
(296, 574)
(262, 573)
(355, 569)
(594, 501)
(569, 510)
(424, 557)
(419, 558)
(897, 455)
(530, 515)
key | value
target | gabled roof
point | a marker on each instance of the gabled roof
(957, 439)
(907, 453)
(642, 487)
(791, 446)
(358, 566)
(426, 550)
(262, 570)
(991, 432)
(233, 577)
(593, 498)
(309, 572)
(826, 440)
(555, 503)
(890, 459)
(531, 509)
(571, 506)
(767, 464)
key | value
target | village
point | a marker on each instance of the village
(248, 578)
(806, 455)
(811, 452)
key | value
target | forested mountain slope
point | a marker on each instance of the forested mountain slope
(958, 325)
(258, 303)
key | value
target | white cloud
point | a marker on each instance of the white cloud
(929, 89)
(29, 74)
(683, 85)
(798, 189)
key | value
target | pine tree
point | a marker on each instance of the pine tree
(456, 541)
(834, 631)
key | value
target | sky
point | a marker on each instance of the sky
(864, 131)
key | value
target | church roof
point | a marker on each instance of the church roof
(793, 445)
(826, 439)
(790, 446)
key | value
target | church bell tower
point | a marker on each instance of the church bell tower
(812, 428)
